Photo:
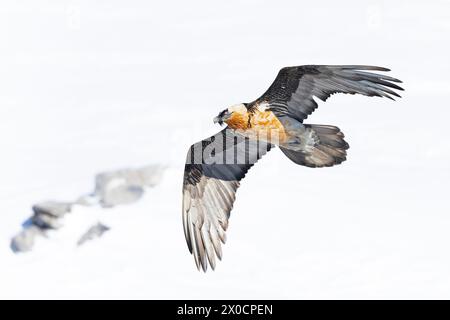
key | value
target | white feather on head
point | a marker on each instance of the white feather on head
(238, 108)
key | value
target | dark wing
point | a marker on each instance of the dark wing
(212, 173)
(294, 88)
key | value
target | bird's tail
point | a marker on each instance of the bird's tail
(325, 147)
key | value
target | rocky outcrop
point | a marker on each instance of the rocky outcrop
(112, 188)
(122, 186)
(24, 241)
(96, 231)
(46, 215)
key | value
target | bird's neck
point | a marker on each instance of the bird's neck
(240, 120)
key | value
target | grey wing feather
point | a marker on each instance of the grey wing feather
(293, 91)
(209, 186)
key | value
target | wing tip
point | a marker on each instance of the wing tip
(377, 68)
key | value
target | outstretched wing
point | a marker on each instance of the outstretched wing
(213, 170)
(294, 88)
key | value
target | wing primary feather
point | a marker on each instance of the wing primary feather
(356, 67)
(194, 244)
(200, 248)
(373, 75)
(209, 247)
(187, 233)
(216, 242)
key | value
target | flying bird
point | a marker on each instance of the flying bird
(215, 166)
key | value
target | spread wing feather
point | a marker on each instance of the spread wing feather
(293, 91)
(213, 170)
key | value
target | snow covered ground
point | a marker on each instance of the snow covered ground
(92, 86)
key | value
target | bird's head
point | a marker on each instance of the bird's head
(232, 115)
(222, 117)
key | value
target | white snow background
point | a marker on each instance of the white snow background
(92, 86)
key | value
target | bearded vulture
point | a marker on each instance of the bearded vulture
(215, 166)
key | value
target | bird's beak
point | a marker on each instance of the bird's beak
(218, 120)
(222, 117)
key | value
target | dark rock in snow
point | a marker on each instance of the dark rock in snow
(96, 231)
(24, 241)
(52, 208)
(45, 221)
(47, 214)
(125, 186)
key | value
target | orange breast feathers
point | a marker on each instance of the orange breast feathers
(262, 125)
(238, 120)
